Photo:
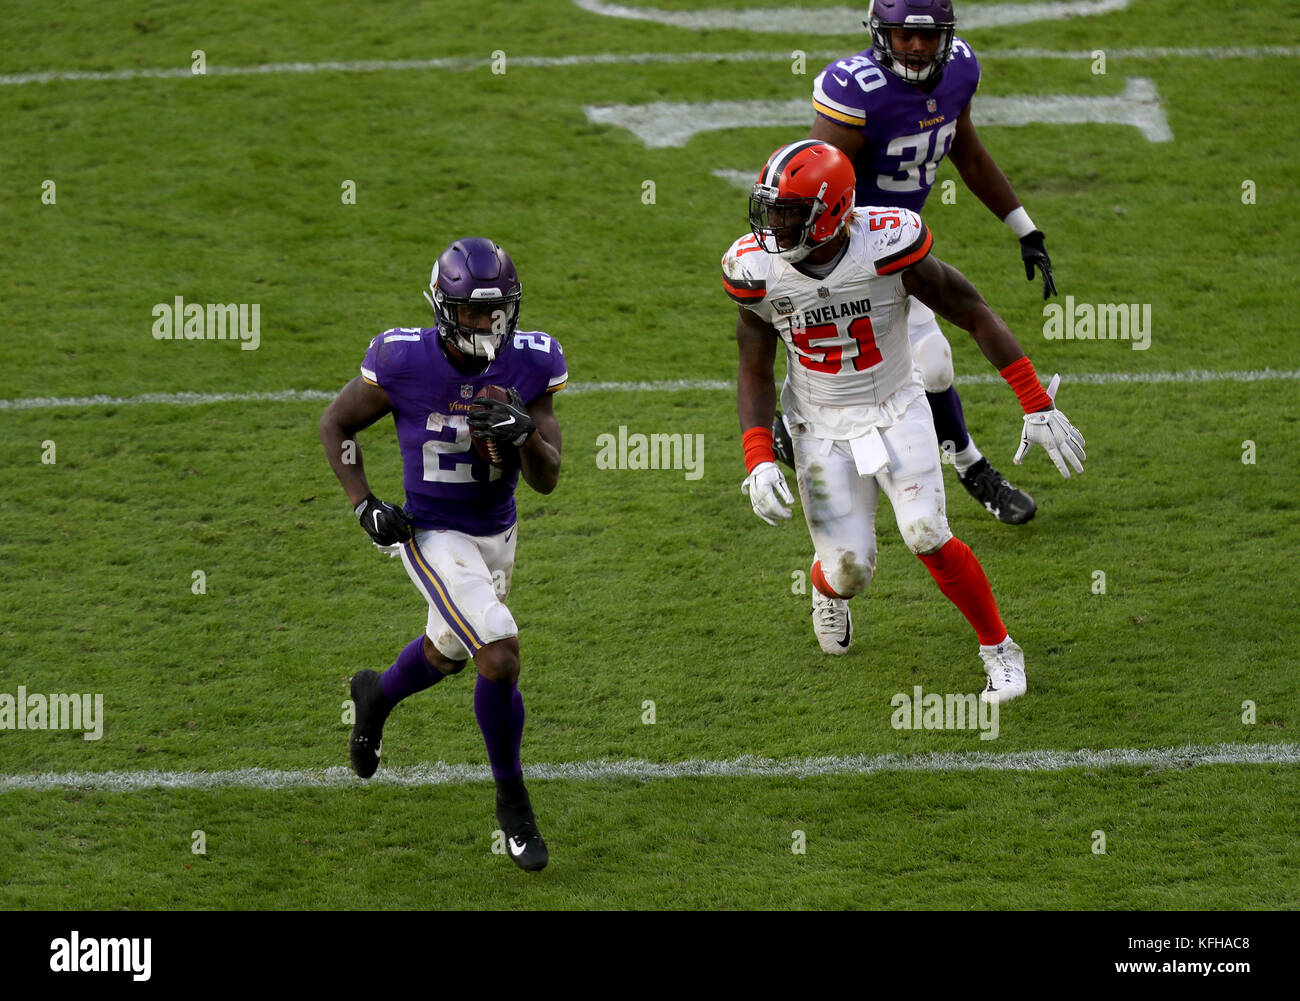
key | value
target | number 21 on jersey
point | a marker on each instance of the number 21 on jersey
(447, 455)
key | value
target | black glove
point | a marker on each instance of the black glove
(1034, 254)
(501, 421)
(385, 524)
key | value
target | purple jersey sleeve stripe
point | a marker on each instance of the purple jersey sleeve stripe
(837, 116)
(836, 91)
(441, 601)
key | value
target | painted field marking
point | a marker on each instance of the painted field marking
(647, 386)
(672, 123)
(461, 65)
(440, 773)
(846, 20)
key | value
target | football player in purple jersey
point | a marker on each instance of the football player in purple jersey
(456, 533)
(897, 109)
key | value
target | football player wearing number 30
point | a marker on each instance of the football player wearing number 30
(897, 109)
(833, 282)
(457, 533)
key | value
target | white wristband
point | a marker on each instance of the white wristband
(1020, 222)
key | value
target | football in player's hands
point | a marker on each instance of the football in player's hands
(497, 420)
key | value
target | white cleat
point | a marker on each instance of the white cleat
(833, 623)
(1005, 666)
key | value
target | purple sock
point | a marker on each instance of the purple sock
(499, 709)
(410, 673)
(949, 421)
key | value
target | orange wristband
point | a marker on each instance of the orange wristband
(1022, 378)
(757, 443)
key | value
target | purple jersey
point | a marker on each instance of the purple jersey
(907, 130)
(448, 484)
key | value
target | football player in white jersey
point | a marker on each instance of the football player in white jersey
(833, 282)
(897, 109)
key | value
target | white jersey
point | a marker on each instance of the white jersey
(849, 364)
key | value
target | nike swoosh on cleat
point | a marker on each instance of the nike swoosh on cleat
(517, 851)
(848, 634)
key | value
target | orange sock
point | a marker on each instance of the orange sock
(819, 581)
(960, 576)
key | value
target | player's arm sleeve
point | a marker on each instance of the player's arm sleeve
(739, 281)
(894, 251)
(370, 363)
(389, 358)
(837, 96)
(558, 372)
(542, 373)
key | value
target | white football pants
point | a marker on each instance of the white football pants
(930, 349)
(840, 505)
(465, 579)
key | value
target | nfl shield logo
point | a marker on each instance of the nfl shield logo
(824, 292)
(932, 105)
(467, 392)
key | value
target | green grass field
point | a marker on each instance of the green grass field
(631, 586)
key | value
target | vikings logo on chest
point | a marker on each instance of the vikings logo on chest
(462, 405)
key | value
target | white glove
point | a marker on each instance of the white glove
(767, 491)
(1053, 430)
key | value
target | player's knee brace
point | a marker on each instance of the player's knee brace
(934, 357)
(927, 533)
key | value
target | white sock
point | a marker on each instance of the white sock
(967, 457)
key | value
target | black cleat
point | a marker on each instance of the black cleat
(524, 842)
(372, 707)
(1007, 503)
(782, 446)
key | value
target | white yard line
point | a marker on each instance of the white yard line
(662, 124)
(617, 59)
(583, 771)
(659, 386)
(846, 20)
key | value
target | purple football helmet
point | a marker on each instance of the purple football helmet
(925, 15)
(475, 291)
